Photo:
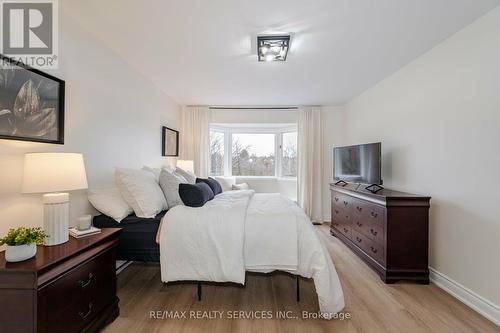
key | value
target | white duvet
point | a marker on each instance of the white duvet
(242, 231)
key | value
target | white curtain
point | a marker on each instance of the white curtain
(194, 138)
(310, 166)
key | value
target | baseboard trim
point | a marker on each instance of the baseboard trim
(468, 297)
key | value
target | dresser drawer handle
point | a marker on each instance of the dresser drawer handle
(345, 203)
(374, 233)
(359, 224)
(346, 230)
(336, 211)
(347, 216)
(374, 214)
(336, 198)
(84, 315)
(359, 208)
(83, 283)
(359, 239)
(374, 250)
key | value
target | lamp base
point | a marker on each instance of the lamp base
(56, 218)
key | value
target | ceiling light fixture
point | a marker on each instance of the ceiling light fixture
(273, 48)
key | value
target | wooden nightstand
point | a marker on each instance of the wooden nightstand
(66, 288)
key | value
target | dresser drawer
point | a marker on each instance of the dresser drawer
(80, 294)
(371, 229)
(374, 250)
(368, 211)
(342, 201)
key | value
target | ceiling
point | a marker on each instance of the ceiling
(203, 52)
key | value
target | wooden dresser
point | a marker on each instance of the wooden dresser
(66, 288)
(388, 230)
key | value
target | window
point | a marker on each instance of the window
(253, 154)
(265, 150)
(289, 154)
(216, 153)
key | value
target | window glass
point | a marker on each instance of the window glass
(253, 154)
(216, 153)
(289, 155)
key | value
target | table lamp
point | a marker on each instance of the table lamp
(52, 173)
(186, 165)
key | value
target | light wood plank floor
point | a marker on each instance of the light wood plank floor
(373, 305)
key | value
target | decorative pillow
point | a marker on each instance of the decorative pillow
(190, 177)
(214, 185)
(169, 183)
(195, 195)
(141, 191)
(110, 202)
(226, 182)
(242, 186)
(154, 171)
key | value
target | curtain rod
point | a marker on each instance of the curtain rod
(253, 108)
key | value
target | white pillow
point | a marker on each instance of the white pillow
(242, 186)
(188, 175)
(110, 202)
(226, 182)
(155, 171)
(141, 191)
(169, 183)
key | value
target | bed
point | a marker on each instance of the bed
(137, 239)
(240, 231)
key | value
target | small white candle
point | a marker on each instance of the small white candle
(84, 222)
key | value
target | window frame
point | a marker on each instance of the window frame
(277, 129)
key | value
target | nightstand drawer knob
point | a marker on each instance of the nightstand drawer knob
(359, 239)
(359, 224)
(374, 250)
(84, 315)
(83, 283)
(359, 208)
(374, 214)
(374, 233)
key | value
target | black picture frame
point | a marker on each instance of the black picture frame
(166, 135)
(59, 101)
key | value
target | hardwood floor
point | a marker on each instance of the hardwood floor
(372, 305)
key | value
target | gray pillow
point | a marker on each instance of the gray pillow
(169, 183)
(189, 176)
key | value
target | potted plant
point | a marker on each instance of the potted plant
(21, 243)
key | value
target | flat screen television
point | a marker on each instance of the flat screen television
(358, 164)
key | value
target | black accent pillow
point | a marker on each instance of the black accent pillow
(214, 185)
(195, 195)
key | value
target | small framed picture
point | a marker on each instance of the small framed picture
(169, 142)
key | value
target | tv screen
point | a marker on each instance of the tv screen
(358, 164)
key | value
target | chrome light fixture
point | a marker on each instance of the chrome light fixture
(273, 48)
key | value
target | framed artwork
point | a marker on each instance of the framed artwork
(169, 142)
(31, 104)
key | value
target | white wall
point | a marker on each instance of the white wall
(113, 116)
(439, 122)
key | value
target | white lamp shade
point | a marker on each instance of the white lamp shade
(186, 165)
(53, 172)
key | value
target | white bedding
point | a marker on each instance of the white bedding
(242, 231)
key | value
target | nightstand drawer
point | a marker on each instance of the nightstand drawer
(80, 294)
